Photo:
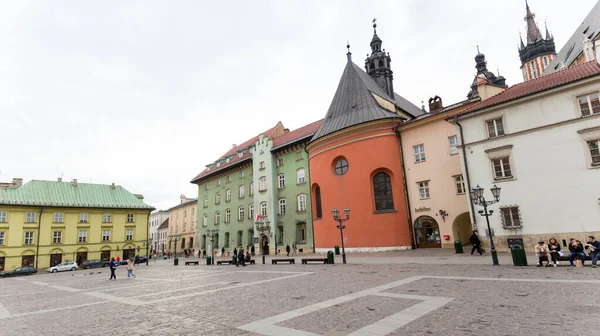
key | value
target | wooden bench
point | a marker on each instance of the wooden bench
(566, 258)
(221, 262)
(307, 260)
(290, 260)
(192, 263)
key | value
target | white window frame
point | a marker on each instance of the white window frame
(281, 206)
(57, 237)
(30, 217)
(3, 216)
(301, 202)
(263, 209)
(459, 183)
(241, 191)
(262, 183)
(82, 236)
(83, 217)
(218, 198)
(423, 190)
(106, 218)
(496, 130)
(590, 108)
(251, 211)
(228, 195)
(242, 174)
(419, 153)
(105, 235)
(261, 165)
(205, 220)
(501, 162)
(228, 179)
(129, 234)
(130, 218)
(300, 176)
(205, 202)
(217, 218)
(241, 213)
(453, 143)
(29, 236)
(281, 181)
(59, 217)
(514, 214)
(592, 156)
(280, 162)
(227, 215)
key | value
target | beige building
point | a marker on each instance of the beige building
(182, 222)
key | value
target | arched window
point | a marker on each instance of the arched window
(263, 208)
(318, 206)
(227, 216)
(251, 187)
(203, 241)
(217, 218)
(205, 220)
(241, 191)
(372, 65)
(241, 213)
(534, 69)
(226, 242)
(380, 63)
(217, 198)
(300, 176)
(228, 195)
(205, 204)
(302, 202)
(216, 240)
(382, 188)
(282, 206)
(251, 211)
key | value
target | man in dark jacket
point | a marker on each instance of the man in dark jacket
(287, 250)
(576, 249)
(240, 258)
(474, 240)
(593, 246)
(113, 266)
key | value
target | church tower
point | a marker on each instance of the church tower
(539, 51)
(378, 65)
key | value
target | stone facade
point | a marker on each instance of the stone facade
(182, 222)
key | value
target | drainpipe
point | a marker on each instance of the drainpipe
(312, 226)
(37, 247)
(410, 229)
(464, 152)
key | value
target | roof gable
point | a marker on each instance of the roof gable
(296, 135)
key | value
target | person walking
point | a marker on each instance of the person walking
(130, 268)
(240, 259)
(474, 240)
(287, 250)
(252, 250)
(154, 257)
(223, 252)
(594, 250)
(542, 252)
(113, 266)
(555, 250)
(294, 248)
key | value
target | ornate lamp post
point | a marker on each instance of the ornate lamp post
(263, 226)
(175, 237)
(478, 199)
(147, 243)
(341, 227)
(211, 233)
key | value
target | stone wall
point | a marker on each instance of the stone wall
(531, 240)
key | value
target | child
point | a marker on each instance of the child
(541, 252)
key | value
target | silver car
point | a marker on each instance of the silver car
(65, 266)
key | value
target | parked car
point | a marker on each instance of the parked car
(65, 266)
(137, 260)
(25, 270)
(95, 263)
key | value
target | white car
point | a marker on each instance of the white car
(66, 266)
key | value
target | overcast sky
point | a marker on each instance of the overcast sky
(146, 93)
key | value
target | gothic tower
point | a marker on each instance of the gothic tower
(378, 65)
(539, 51)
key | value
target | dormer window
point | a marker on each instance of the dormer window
(218, 163)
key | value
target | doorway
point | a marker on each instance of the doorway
(55, 259)
(27, 260)
(105, 255)
(1, 264)
(128, 253)
(462, 228)
(81, 257)
(427, 233)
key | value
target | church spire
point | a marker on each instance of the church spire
(375, 41)
(377, 65)
(349, 54)
(548, 36)
(533, 33)
(521, 39)
(538, 51)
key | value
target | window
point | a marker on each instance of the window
(242, 174)
(301, 233)
(282, 206)
(281, 180)
(226, 242)
(534, 69)
(419, 151)
(193, 212)
(82, 236)
(280, 162)
(545, 61)
(129, 234)
(595, 151)
(28, 238)
(460, 184)
(495, 128)
(57, 237)
(382, 189)
(218, 198)
(341, 167)
(218, 182)
(502, 168)
(452, 142)
(206, 187)
(2, 216)
(2, 237)
(30, 218)
(184, 213)
(241, 191)
(129, 218)
(301, 202)
(105, 235)
(106, 218)
(299, 155)
(83, 217)
(318, 205)
(227, 216)
(261, 165)
(251, 187)
(205, 220)
(228, 179)
(263, 209)
(511, 219)
(205, 204)
(241, 213)
(423, 189)
(217, 218)
(262, 184)
(228, 195)
(240, 238)
(251, 211)
(300, 175)
(589, 104)
(58, 217)
(280, 235)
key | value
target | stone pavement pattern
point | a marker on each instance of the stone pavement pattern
(358, 299)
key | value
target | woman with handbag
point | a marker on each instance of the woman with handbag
(555, 250)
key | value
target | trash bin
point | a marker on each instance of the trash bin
(234, 259)
(337, 250)
(330, 259)
(458, 247)
(176, 261)
(517, 251)
(208, 260)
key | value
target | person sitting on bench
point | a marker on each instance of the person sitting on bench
(555, 250)
(541, 252)
(594, 249)
(248, 256)
(576, 249)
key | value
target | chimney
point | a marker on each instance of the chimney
(588, 50)
(17, 182)
(181, 198)
(435, 104)
(60, 179)
(74, 183)
(233, 146)
(113, 186)
(139, 196)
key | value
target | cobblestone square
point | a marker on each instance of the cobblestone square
(353, 299)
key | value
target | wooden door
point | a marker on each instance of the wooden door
(427, 233)
(55, 259)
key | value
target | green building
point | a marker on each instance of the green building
(258, 194)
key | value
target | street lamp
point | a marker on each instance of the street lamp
(147, 243)
(341, 226)
(478, 199)
(211, 233)
(262, 226)
(175, 237)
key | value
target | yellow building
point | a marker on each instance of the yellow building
(182, 226)
(47, 222)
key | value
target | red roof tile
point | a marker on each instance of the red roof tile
(297, 134)
(547, 82)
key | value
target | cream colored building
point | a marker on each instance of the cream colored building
(182, 221)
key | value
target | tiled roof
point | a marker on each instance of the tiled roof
(235, 159)
(547, 82)
(188, 201)
(295, 135)
(68, 194)
(164, 225)
(452, 109)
